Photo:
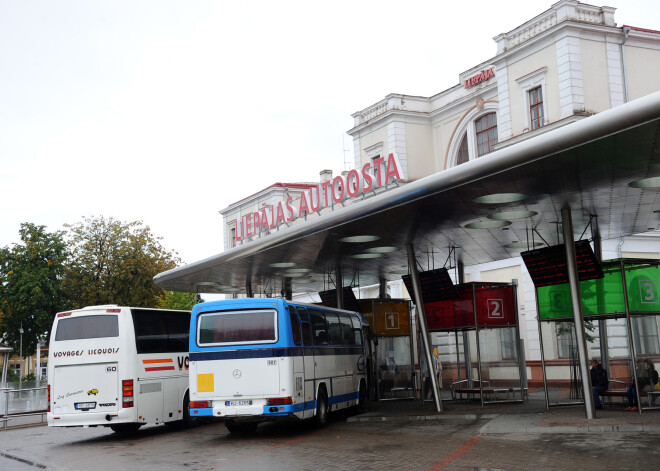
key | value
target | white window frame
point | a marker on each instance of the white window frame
(528, 83)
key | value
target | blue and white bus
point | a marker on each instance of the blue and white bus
(259, 359)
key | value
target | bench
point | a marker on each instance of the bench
(622, 392)
(458, 388)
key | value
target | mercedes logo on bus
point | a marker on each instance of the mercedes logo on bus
(237, 373)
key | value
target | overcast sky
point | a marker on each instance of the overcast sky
(168, 111)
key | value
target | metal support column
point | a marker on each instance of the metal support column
(339, 283)
(538, 322)
(631, 339)
(421, 318)
(574, 284)
(476, 334)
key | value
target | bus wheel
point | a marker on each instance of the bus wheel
(187, 420)
(321, 417)
(126, 429)
(362, 397)
(241, 427)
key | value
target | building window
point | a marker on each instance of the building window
(645, 330)
(536, 107)
(565, 345)
(475, 135)
(232, 237)
(486, 129)
(463, 153)
(533, 91)
(509, 344)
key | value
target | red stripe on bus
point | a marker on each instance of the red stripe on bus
(159, 368)
(162, 360)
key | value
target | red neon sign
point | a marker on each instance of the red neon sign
(322, 195)
(480, 77)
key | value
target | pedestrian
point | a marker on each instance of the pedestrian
(647, 378)
(599, 382)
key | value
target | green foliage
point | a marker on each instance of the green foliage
(30, 286)
(30, 377)
(177, 300)
(112, 262)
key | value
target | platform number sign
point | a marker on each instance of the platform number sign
(495, 308)
(648, 291)
(392, 321)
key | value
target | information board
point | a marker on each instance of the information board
(547, 266)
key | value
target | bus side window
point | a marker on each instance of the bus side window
(347, 329)
(305, 326)
(357, 330)
(295, 325)
(334, 328)
(319, 328)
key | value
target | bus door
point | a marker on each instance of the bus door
(309, 384)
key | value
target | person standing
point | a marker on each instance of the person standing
(599, 382)
(647, 378)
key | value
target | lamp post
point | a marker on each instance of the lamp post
(20, 354)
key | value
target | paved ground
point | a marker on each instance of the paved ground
(394, 435)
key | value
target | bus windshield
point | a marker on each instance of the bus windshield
(232, 327)
(87, 327)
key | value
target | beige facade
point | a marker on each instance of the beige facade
(574, 54)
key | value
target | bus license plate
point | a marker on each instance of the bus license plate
(239, 403)
(85, 405)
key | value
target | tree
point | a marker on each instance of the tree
(112, 262)
(177, 300)
(30, 286)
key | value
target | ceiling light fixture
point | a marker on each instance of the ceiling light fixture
(508, 215)
(359, 239)
(500, 198)
(491, 224)
(652, 183)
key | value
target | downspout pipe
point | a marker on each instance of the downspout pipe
(626, 32)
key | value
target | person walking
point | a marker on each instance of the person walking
(599, 382)
(647, 378)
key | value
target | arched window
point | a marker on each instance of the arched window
(475, 134)
(486, 129)
(463, 154)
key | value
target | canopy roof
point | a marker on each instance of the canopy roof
(607, 166)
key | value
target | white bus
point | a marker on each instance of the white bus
(120, 367)
(259, 359)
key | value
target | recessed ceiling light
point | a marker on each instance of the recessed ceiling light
(206, 283)
(487, 224)
(283, 264)
(381, 249)
(367, 255)
(500, 198)
(649, 183)
(507, 215)
(523, 245)
(359, 239)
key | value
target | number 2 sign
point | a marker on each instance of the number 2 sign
(495, 309)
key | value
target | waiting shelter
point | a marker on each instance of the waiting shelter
(617, 307)
(605, 165)
(483, 318)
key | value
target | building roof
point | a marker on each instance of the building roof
(591, 165)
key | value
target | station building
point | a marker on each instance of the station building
(568, 63)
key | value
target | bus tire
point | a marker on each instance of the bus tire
(321, 417)
(126, 429)
(187, 420)
(362, 397)
(241, 427)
